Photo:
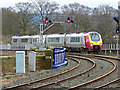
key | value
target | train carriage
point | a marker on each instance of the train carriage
(75, 42)
(19, 42)
(36, 40)
(56, 40)
(90, 41)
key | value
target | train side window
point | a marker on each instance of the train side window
(15, 40)
(25, 40)
(78, 39)
(56, 39)
(75, 39)
(50, 39)
(35, 39)
(72, 39)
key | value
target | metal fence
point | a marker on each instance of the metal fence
(27, 46)
(110, 46)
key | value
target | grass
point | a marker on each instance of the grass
(9, 64)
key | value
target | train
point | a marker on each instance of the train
(80, 42)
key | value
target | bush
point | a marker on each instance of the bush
(32, 48)
(49, 52)
(51, 48)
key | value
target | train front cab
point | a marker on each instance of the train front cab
(94, 42)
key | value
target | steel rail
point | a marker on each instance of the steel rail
(96, 79)
(69, 78)
(113, 81)
(104, 85)
(44, 79)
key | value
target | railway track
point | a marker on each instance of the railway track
(44, 79)
(55, 76)
(72, 77)
(75, 57)
(96, 79)
(93, 80)
(113, 81)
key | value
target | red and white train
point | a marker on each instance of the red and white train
(90, 41)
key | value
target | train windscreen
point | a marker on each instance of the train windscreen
(94, 37)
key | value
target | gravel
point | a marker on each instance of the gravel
(83, 66)
(32, 76)
(102, 67)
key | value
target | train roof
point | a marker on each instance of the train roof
(33, 36)
(56, 35)
(90, 32)
(21, 37)
(93, 32)
(75, 34)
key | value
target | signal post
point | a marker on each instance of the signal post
(118, 39)
(118, 26)
(117, 29)
(41, 35)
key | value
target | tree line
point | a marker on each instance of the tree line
(23, 18)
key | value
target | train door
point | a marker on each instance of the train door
(30, 40)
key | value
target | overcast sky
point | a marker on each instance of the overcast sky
(89, 3)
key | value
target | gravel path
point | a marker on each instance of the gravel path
(84, 66)
(32, 76)
(102, 67)
(107, 79)
(110, 78)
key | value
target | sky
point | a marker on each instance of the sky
(89, 3)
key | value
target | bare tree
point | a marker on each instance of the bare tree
(80, 15)
(103, 22)
(44, 8)
(23, 14)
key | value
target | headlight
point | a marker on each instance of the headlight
(100, 44)
(91, 44)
